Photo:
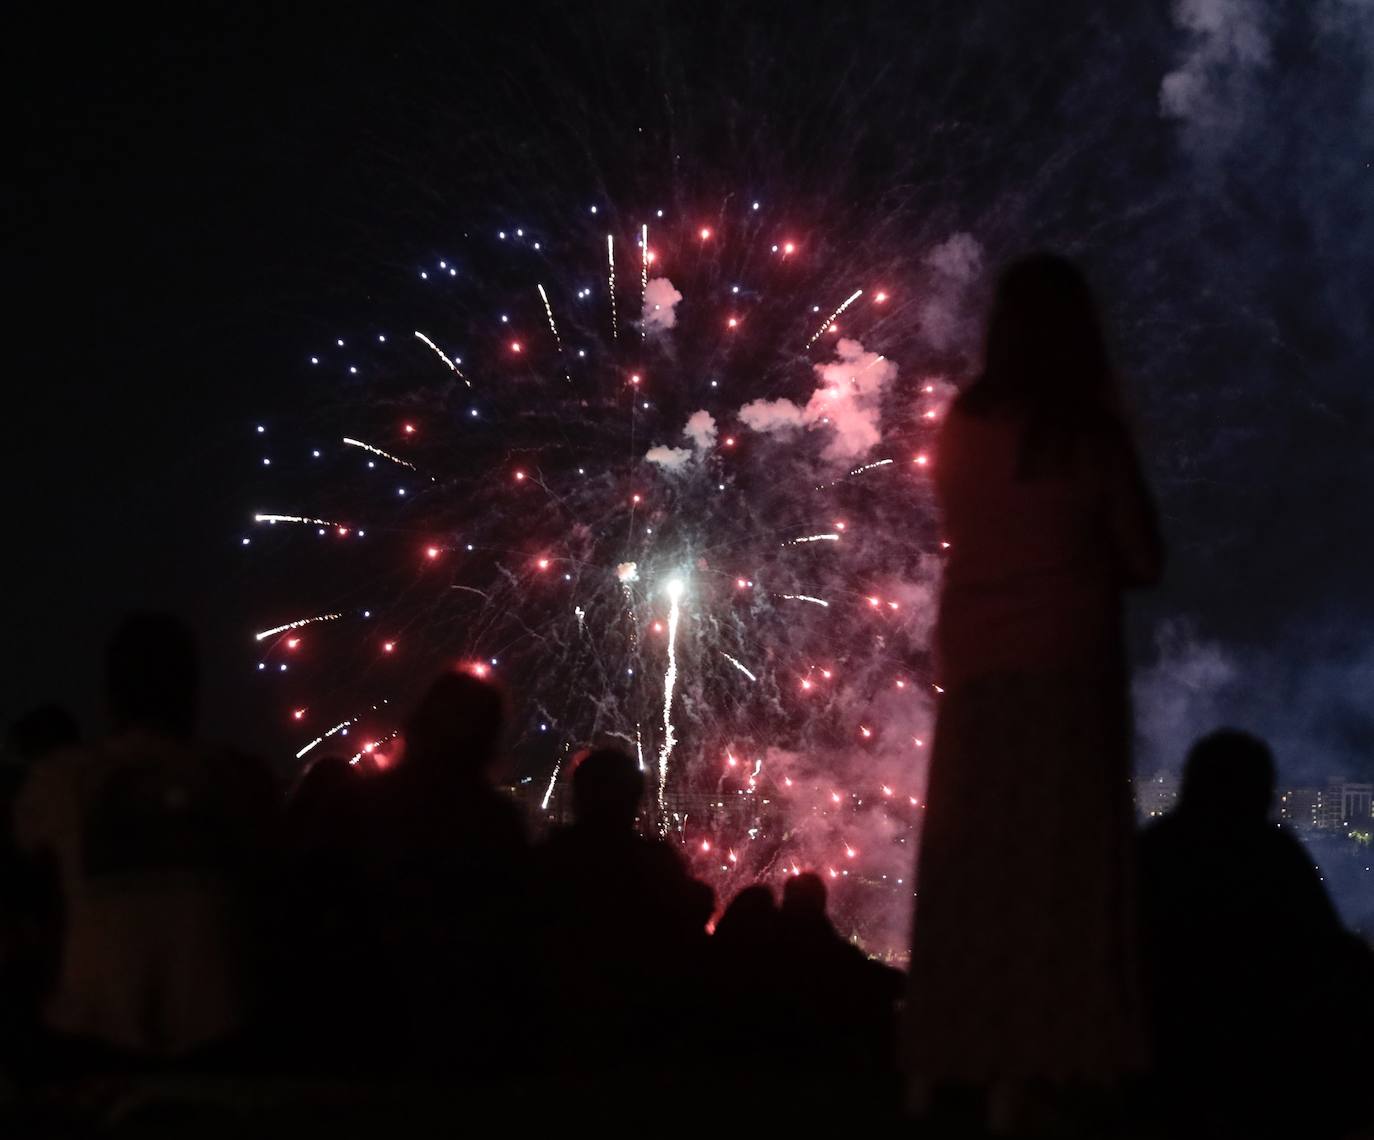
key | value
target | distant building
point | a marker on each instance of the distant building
(1298, 807)
(1156, 796)
(1338, 805)
(1344, 804)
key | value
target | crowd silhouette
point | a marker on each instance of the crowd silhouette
(165, 911)
(168, 914)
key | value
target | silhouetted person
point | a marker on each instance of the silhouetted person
(158, 844)
(448, 862)
(746, 987)
(803, 903)
(624, 923)
(1260, 1000)
(1021, 969)
(841, 1003)
(746, 934)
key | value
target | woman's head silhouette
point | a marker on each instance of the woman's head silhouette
(1046, 357)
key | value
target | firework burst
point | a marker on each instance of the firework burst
(621, 527)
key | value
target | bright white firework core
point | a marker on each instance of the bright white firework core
(674, 590)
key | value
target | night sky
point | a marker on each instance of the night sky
(194, 204)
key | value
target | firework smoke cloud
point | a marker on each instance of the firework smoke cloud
(661, 300)
(847, 401)
(669, 458)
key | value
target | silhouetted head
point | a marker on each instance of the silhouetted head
(41, 732)
(1229, 777)
(804, 896)
(607, 789)
(749, 917)
(1046, 360)
(152, 676)
(1045, 345)
(457, 725)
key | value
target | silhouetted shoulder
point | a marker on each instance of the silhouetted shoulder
(1298, 877)
(1238, 873)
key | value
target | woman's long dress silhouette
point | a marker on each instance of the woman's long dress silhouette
(1023, 963)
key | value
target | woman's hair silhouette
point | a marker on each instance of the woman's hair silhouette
(1045, 359)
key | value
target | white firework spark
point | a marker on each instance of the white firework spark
(854, 296)
(610, 257)
(302, 519)
(738, 665)
(378, 451)
(444, 358)
(326, 735)
(557, 340)
(643, 271)
(553, 781)
(871, 466)
(674, 591)
(294, 625)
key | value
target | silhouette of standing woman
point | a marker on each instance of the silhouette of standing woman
(1023, 967)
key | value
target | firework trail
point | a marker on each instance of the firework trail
(557, 340)
(610, 258)
(643, 272)
(343, 724)
(830, 320)
(871, 466)
(297, 624)
(674, 592)
(302, 519)
(440, 352)
(738, 664)
(553, 781)
(378, 451)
